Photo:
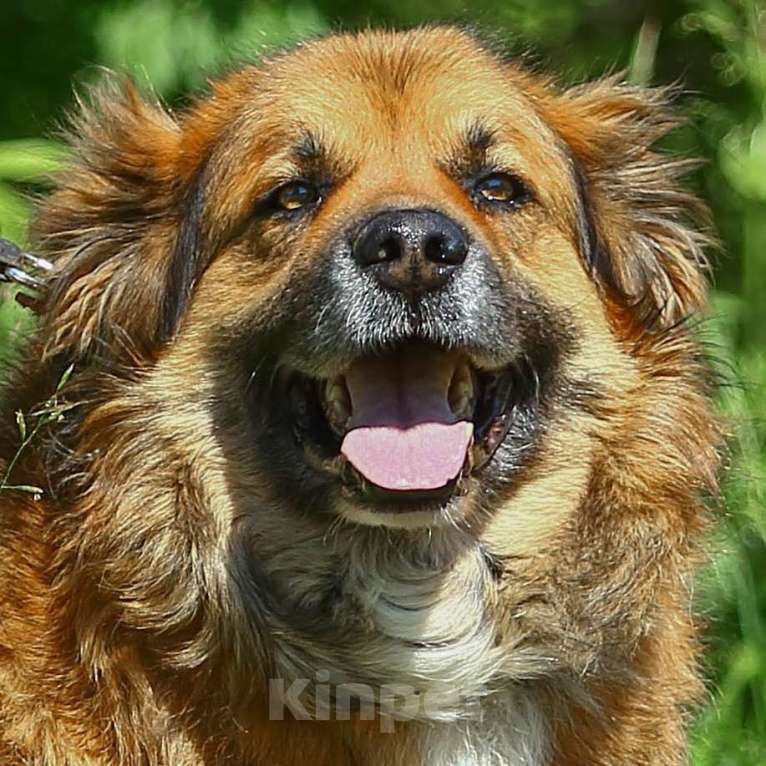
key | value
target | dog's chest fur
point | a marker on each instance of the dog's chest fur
(411, 627)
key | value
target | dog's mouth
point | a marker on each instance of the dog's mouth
(408, 426)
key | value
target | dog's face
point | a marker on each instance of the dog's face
(397, 293)
(383, 281)
(395, 274)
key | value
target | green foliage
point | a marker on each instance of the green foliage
(175, 45)
(716, 48)
(24, 166)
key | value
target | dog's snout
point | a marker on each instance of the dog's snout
(411, 250)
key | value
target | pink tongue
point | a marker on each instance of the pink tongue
(403, 434)
(425, 456)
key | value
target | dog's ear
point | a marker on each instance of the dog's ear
(112, 228)
(643, 236)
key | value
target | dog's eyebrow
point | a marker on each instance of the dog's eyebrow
(469, 152)
(478, 138)
(309, 148)
(318, 157)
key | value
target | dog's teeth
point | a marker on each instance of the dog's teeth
(337, 403)
(462, 393)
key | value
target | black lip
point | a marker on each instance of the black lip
(393, 501)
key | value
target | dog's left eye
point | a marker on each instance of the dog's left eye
(296, 195)
(501, 188)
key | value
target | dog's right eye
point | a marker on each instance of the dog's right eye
(501, 189)
(296, 195)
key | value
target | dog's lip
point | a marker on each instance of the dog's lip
(379, 500)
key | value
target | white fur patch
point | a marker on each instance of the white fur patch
(512, 731)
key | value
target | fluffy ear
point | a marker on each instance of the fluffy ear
(111, 228)
(643, 235)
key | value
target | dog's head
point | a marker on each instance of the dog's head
(383, 281)
(397, 260)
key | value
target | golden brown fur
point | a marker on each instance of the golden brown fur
(132, 630)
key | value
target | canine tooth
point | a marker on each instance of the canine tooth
(337, 402)
(462, 393)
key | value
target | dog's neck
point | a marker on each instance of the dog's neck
(361, 608)
(401, 623)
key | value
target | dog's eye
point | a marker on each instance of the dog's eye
(296, 195)
(502, 189)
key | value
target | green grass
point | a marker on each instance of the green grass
(731, 591)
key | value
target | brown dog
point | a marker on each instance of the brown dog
(383, 413)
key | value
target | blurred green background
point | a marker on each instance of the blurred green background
(715, 48)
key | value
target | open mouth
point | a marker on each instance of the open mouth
(407, 426)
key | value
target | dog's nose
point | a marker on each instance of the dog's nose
(411, 251)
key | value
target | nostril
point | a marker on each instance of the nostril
(390, 249)
(434, 249)
(447, 249)
(378, 246)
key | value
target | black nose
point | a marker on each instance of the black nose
(411, 250)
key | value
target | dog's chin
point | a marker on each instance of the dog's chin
(406, 438)
(450, 512)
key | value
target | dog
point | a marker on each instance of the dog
(367, 423)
